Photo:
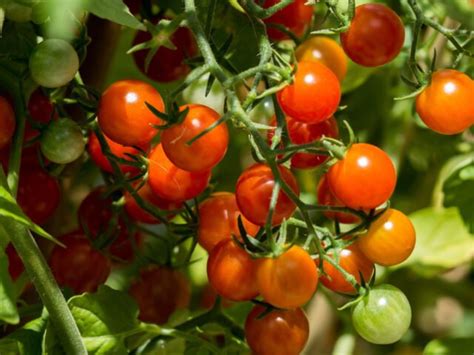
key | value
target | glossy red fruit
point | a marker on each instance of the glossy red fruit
(254, 191)
(41, 111)
(314, 94)
(15, 265)
(78, 266)
(303, 133)
(7, 122)
(124, 116)
(159, 292)
(296, 17)
(375, 35)
(172, 183)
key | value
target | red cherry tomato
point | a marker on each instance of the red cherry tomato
(314, 94)
(120, 151)
(375, 35)
(218, 220)
(78, 266)
(254, 191)
(289, 280)
(326, 51)
(7, 122)
(207, 151)
(41, 110)
(159, 292)
(446, 104)
(123, 115)
(296, 17)
(364, 179)
(209, 297)
(303, 133)
(354, 262)
(390, 239)
(15, 265)
(231, 271)
(280, 332)
(172, 183)
(133, 6)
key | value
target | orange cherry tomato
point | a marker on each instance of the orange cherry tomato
(172, 183)
(389, 240)
(446, 105)
(326, 51)
(254, 191)
(204, 153)
(231, 271)
(218, 220)
(7, 122)
(289, 280)
(124, 116)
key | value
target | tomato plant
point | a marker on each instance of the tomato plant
(7, 122)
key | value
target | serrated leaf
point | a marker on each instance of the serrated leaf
(113, 10)
(450, 346)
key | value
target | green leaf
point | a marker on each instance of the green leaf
(452, 346)
(26, 340)
(8, 309)
(113, 10)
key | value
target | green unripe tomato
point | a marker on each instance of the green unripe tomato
(383, 315)
(62, 142)
(54, 63)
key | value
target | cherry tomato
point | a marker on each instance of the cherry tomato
(124, 116)
(218, 220)
(172, 183)
(209, 297)
(314, 94)
(326, 51)
(133, 6)
(254, 191)
(446, 104)
(38, 194)
(15, 265)
(167, 64)
(118, 150)
(62, 142)
(289, 280)
(383, 315)
(364, 179)
(304, 133)
(296, 17)
(41, 110)
(78, 266)
(159, 292)
(280, 332)
(231, 271)
(204, 153)
(390, 239)
(7, 122)
(375, 35)
(354, 262)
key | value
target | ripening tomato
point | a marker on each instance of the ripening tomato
(204, 153)
(124, 116)
(296, 17)
(7, 122)
(120, 151)
(314, 94)
(280, 332)
(172, 183)
(389, 240)
(364, 179)
(231, 271)
(218, 220)
(41, 111)
(15, 265)
(304, 133)
(289, 280)
(326, 51)
(354, 262)
(254, 191)
(446, 104)
(78, 266)
(375, 35)
(326, 198)
(159, 292)
(209, 296)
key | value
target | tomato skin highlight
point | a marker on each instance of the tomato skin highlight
(389, 240)
(280, 332)
(375, 35)
(172, 183)
(254, 190)
(204, 153)
(445, 105)
(218, 220)
(289, 280)
(314, 94)
(7, 122)
(231, 271)
(123, 115)
(364, 179)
